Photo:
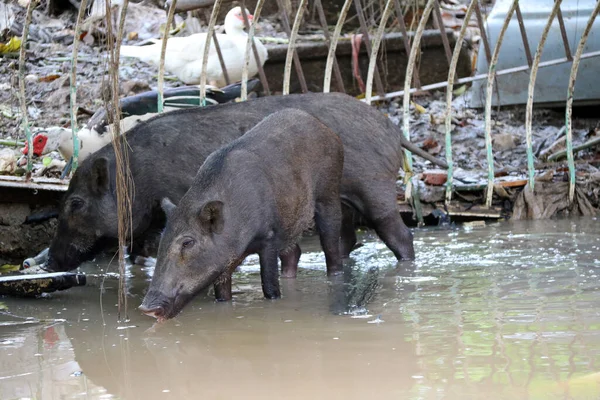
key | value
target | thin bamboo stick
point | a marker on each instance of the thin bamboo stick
(249, 44)
(570, 96)
(209, 33)
(531, 92)
(437, 18)
(163, 52)
(481, 77)
(261, 71)
(73, 87)
(405, 39)
(488, 104)
(389, 6)
(449, 89)
(124, 183)
(287, 72)
(296, 61)
(524, 36)
(416, 45)
(333, 45)
(22, 100)
(336, 67)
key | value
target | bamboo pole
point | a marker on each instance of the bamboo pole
(333, 45)
(124, 183)
(416, 45)
(389, 7)
(570, 95)
(287, 72)
(449, 89)
(73, 87)
(480, 77)
(296, 59)
(163, 52)
(249, 45)
(211, 29)
(531, 90)
(261, 71)
(22, 100)
(488, 104)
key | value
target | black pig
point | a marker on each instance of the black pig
(165, 153)
(257, 194)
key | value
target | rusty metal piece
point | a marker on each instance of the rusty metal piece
(437, 20)
(286, 27)
(261, 71)
(336, 67)
(365, 32)
(524, 36)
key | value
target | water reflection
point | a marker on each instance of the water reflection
(503, 312)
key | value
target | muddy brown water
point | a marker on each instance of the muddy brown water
(508, 311)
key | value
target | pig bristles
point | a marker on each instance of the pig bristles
(124, 183)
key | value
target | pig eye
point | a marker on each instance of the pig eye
(187, 243)
(76, 204)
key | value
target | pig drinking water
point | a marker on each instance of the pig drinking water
(255, 195)
(165, 153)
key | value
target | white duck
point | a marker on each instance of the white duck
(183, 56)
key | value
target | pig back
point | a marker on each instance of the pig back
(300, 160)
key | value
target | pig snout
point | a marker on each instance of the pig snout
(157, 312)
(156, 305)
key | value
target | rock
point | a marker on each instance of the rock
(133, 87)
(31, 78)
(12, 214)
(8, 161)
(504, 141)
(435, 177)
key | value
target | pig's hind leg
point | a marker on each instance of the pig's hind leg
(289, 262)
(328, 218)
(381, 211)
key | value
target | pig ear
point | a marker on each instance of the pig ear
(211, 216)
(100, 179)
(167, 206)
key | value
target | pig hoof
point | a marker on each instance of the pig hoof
(273, 296)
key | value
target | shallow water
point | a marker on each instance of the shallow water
(509, 311)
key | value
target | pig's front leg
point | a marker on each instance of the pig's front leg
(223, 288)
(269, 272)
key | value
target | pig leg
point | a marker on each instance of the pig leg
(269, 272)
(348, 231)
(382, 213)
(289, 262)
(328, 218)
(223, 289)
